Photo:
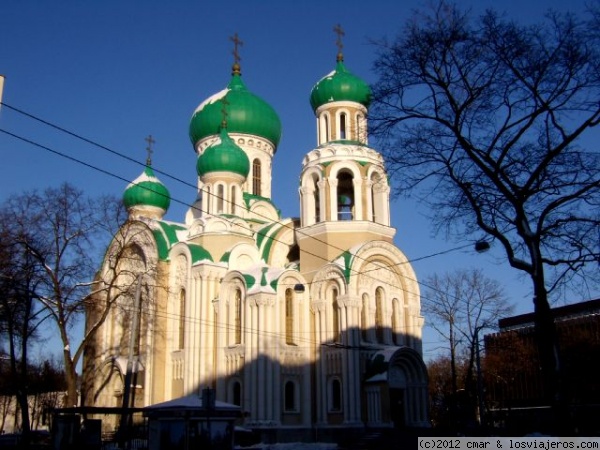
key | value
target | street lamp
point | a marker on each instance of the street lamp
(482, 246)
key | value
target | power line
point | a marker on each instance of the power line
(227, 328)
(285, 225)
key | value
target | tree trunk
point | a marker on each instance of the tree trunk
(469, 377)
(454, 397)
(549, 354)
(19, 373)
(453, 359)
(71, 379)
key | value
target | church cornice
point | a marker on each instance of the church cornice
(337, 152)
(245, 141)
(347, 226)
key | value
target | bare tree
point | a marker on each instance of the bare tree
(47, 387)
(65, 234)
(460, 306)
(20, 316)
(442, 393)
(124, 268)
(488, 117)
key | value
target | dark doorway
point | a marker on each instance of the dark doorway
(397, 407)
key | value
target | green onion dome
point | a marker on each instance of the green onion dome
(223, 156)
(147, 190)
(340, 85)
(246, 113)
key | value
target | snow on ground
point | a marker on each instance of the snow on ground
(294, 446)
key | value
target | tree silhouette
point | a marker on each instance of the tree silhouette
(488, 116)
(60, 231)
(460, 306)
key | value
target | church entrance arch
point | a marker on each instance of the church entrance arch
(407, 383)
(397, 387)
(405, 374)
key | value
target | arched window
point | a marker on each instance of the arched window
(208, 199)
(379, 314)
(256, 180)
(315, 180)
(289, 316)
(325, 137)
(336, 395)
(233, 201)
(220, 199)
(364, 316)
(407, 328)
(343, 125)
(336, 315)
(181, 337)
(345, 196)
(290, 396)
(396, 320)
(237, 319)
(237, 393)
(374, 212)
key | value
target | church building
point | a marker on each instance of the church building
(309, 324)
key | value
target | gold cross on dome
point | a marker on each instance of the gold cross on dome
(236, 44)
(150, 141)
(340, 32)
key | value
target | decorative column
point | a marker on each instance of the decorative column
(322, 186)
(264, 372)
(350, 307)
(206, 312)
(387, 322)
(307, 206)
(210, 360)
(251, 377)
(368, 189)
(320, 398)
(333, 209)
(358, 198)
(192, 344)
(262, 360)
(381, 193)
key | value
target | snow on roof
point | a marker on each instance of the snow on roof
(192, 401)
(213, 98)
(378, 377)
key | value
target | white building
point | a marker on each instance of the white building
(307, 324)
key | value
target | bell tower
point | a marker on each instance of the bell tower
(344, 191)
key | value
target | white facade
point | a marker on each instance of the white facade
(309, 323)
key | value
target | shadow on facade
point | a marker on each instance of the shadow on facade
(307, 390)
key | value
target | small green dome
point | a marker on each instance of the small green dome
(147, 190)
(223, 156)
(246, 113)
(340, 85)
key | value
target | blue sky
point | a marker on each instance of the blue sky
(117, 71)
